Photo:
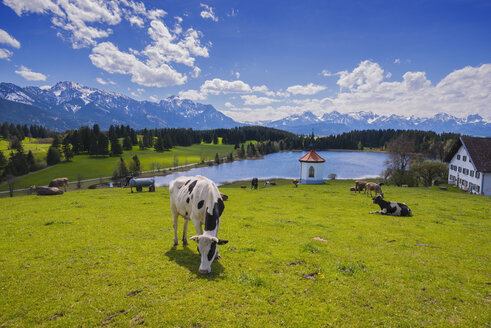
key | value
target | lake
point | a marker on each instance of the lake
(285, 165)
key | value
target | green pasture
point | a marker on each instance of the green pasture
(95, 167)
(105, 257)
(38, 149)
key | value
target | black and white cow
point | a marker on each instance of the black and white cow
(198, 199)
(391, 208)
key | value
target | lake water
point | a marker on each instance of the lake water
(345, 164)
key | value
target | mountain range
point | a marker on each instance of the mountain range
(335, 123)
(69, 105)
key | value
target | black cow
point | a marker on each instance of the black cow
(391, 208)
(254, 183)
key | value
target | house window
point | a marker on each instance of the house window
(460, 169)
(477, 189)
(472, 173)
(458, 156)
(478, 174)
(311, 172)
(466, 171)
(464, 158)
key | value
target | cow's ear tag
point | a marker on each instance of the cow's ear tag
(222, 242)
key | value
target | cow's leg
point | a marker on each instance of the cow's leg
(175, 216)
(185, 232)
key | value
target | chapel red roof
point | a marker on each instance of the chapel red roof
(312, 156)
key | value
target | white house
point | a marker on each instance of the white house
(311, 168)
(469, 163)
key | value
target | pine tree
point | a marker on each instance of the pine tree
(159, 144)
(53, 156)
(67, 150)
(102, 145)
(30, 160)
(115, 146)
(127, 144)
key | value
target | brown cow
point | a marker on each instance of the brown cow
(46, 191)
(372, 186)
(360, 185)
(59, 182)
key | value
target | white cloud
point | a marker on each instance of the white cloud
(5, 54)
(153, 99)
(366, 75)
(7, 39)
(326, 73)
(229, 105)
(233, 12)
(397, 61)
(218, 86)
(461, 93)
(208, 13)
(29, 75)
(192, 95)
(84, 23)
(252, 100)
(135, 20)
(237, 75)
(101, 81)
(308, 89)
(152, 74)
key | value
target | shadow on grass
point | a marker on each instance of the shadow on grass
(190, 260)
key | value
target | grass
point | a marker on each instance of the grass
(94, 167)
(105, 258)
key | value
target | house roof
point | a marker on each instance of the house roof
(479, 150)
(312, 157)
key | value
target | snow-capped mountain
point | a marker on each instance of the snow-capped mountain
(335, 123)
(71, 105)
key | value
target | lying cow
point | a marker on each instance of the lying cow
(46, 191)
(59, 182)
(198, 199)
(372, 186)
(391, 208)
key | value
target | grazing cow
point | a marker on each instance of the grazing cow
(254, 183)
(391, 208)
(59, 182)
(372, 186)
(295, 182)
(46, 191)
(198, 199)
(360, 185)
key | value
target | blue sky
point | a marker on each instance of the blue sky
(260, 60)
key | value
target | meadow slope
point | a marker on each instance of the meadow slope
(105, 258)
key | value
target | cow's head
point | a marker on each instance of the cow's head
(207, 248)
(377, 199)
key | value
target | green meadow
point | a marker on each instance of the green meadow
(310, 256)
(92, 167)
